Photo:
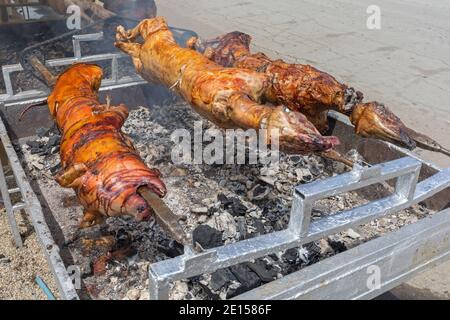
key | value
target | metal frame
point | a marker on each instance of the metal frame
(322, 278)
(24, 16)
(35, 96)
(301, 230)
(29, 201)
(393, 258)
(31, 205)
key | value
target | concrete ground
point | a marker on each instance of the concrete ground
(405, 64)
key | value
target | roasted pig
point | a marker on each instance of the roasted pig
(313, 92)
(229, 97)
(99, 161)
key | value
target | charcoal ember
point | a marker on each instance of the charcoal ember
(274, 257)
(123, 239)
(238, 208)
(43, 132)
(33, 144)
(258, 192)
(39, 151)
(224, 200)
(259, 226)
(291, 255)
(315, 169)
(294, 159)
(221, 278)
(55, 169)
(314, 252)
(170, 248)
(273, 210)
(207, 236)
(264, 271)
(247, 278)
(337, 244)
(232, 205)
(53, 141)
(281, 223)
(209, 294)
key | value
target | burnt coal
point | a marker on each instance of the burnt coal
(337, 244)
(264, 272)
(291, 255)
(259, 226)
(53, 141)
(233, 205)
(170, 248)
(34, 144)
(246, 277)
(55, 169)
(209, 294)
(274, 257)
(43, 132)
(221, 278)
(314, 252)
(207, 236)
(258, 192)
(224, 199)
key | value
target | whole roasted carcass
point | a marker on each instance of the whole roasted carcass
(98, 160)
(229, 97)
(313, 92)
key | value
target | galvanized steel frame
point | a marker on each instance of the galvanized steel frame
(34, 96)
(391, 260)
(32, 206)
(345, 266)
(301, 229)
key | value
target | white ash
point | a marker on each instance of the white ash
(241, 201)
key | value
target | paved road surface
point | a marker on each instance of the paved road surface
(405, 64)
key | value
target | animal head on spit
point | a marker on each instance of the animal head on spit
(375, 120)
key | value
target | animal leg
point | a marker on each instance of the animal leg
(134, 50)
(69, 178)
(90, 219)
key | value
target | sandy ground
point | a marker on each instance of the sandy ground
(19, 267)
(405, 64)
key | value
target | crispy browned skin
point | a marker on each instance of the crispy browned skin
(306, 89)
(229, 97)
(300, 87)
(99, 161)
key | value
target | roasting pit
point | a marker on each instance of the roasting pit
(221, 204)
(236, 202)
